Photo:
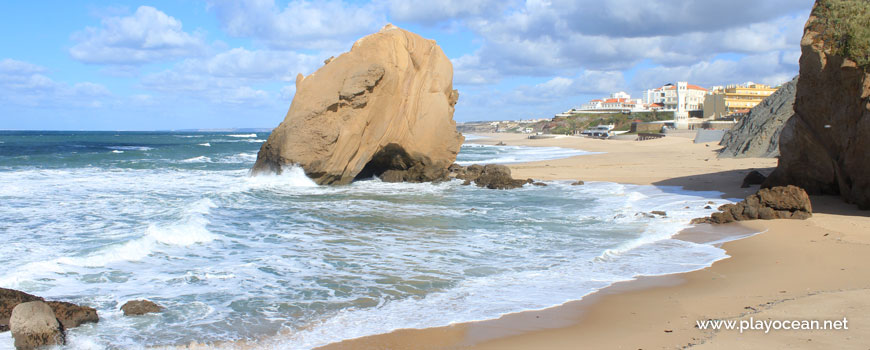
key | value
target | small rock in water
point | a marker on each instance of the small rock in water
(577, 183)
(140, 307)
(501, 144)
(659, 212)
(539, 184)
(34, 325)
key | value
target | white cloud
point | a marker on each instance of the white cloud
(24, 84)
(772, 68)
(302, 24)
(258, 64)
(561, 37)
(146, 36)
(468, 70)
(229, 76)
(430, 12)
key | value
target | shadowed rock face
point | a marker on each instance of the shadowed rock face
(825, 147)
(383, 109)
(757, 135)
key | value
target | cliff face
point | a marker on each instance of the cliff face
(385, 107)
(757, 135)
(825, 147)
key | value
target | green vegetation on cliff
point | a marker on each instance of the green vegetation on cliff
(582, 121)
(844, 27)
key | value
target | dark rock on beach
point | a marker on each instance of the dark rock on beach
(140, 307)
(785, 202)
(578, 183)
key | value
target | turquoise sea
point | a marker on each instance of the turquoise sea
(99, 218)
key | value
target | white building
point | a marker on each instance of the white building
(683, 96)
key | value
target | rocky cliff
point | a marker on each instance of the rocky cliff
(384, 107)
(825, 146)
(757, 135)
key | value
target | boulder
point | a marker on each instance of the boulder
(383, 109)
(757, 134)
(786, 202)
(34, 325)
(140, 307)
(824, 146)
(753, 178)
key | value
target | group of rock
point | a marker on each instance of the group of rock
(35, 322)
(781, 202)
(492, 176)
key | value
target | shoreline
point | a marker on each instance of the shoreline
(623, 314)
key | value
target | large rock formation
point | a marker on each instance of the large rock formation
(34, 325)
(70, 315)
(826, 145)
(757, 135)
(788, 202)
(384, 107)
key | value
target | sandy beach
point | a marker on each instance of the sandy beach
(794, 270)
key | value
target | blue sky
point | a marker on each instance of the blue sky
(157, 65)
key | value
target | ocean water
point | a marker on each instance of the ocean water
(99, 218)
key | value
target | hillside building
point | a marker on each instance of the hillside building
(734, 99)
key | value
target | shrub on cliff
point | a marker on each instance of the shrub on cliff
(844, 27)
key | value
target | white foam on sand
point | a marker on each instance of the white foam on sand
(652, 253)
(470, 137)
(491, 154)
